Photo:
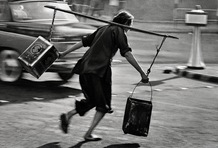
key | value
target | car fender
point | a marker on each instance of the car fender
(15, 41)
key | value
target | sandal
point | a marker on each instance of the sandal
(64, 123)
(92, 138)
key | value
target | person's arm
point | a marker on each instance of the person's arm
(131, 59)
(73, 48)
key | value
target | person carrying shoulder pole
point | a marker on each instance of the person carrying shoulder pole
(94, 70)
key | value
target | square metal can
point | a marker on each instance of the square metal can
(38, 57)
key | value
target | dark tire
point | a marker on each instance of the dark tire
(65, 76)
(10, 68)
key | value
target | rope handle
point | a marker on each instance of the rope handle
(52, 25)
(138, 85)
(149, 69)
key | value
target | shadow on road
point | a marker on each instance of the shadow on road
(158, 82)
(26, 90)
(56, 145)
(126, 145)
(51, 145)
(78, 145)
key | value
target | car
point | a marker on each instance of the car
(21, 22)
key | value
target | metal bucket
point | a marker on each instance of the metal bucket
(137, 116)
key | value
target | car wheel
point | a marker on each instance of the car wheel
(66, 76)
(10, 68)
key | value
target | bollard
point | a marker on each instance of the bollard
(196, 18)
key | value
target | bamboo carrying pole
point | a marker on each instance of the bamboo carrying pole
(113, 23)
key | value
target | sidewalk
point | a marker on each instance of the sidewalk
(208, 74)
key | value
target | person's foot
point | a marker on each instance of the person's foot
(92, 138)
(64, 123)
(110, 111)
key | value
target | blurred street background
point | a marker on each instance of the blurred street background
(184, 111)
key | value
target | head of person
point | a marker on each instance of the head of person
(124, 17)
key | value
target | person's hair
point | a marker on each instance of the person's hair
(123, 17)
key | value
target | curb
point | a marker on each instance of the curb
(185, 72)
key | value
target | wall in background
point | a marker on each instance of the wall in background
(162, 10)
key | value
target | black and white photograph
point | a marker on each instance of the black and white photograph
(108, 73)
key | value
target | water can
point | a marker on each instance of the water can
(38, 57)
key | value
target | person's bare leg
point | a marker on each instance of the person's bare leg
(97, 118)
(65, 120)
(70, 114)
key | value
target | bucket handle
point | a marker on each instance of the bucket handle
(138, 85)
(52, 25)
(149, 69)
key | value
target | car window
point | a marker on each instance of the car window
(27, 11)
